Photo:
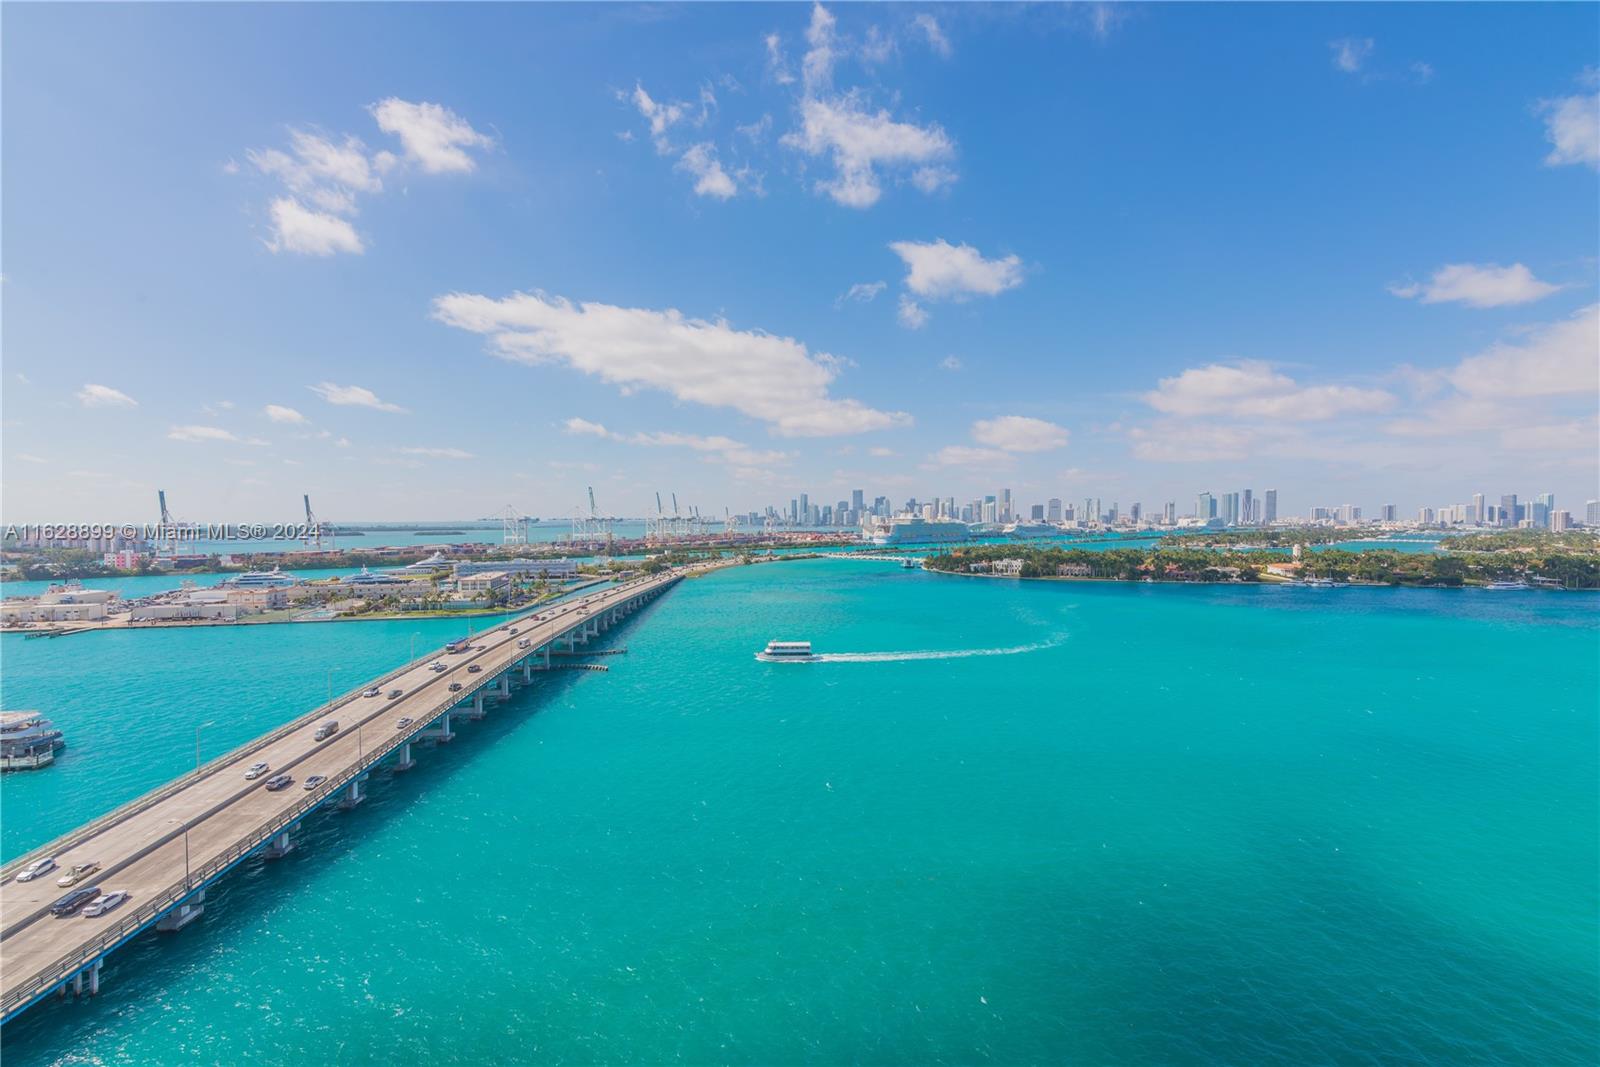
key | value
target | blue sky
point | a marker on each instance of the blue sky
(428, 261)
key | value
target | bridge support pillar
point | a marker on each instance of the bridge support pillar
(404, 762)
(546, 657)
(527, 671)
(505, 686)
(354, 795)
(441, 733)
(183, 914)
(279, 847)
(94, 978)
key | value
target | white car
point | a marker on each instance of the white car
(36, 868)
(374, 691)
(104, 903)
(437, 667)
(256, 771)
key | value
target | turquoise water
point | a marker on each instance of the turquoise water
(1148, 824)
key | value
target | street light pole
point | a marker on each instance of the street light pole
(414, 645)
(186, 879)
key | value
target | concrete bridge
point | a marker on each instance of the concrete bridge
(167, 846)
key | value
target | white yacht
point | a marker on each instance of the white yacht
(786, 652)
(262, 579)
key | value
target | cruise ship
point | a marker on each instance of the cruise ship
(915, 530)
(1023, 531)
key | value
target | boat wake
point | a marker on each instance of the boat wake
(955, 653)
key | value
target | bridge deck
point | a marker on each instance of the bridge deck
(142, 848)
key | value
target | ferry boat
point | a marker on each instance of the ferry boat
(786, 652)
(27, 741)
(915, 530)
(1504, 584)
(261, 579)
(1323, 583)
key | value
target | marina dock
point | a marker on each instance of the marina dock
(168, 846)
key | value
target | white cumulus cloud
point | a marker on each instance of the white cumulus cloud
(1252, 389)
(939, 270)
(208, 434)
(432, 136)
(436, 453)
(860, 141)
(1019, 433)
(1485, 286)
(1351, 53)
(701, 161)
(279, 413)
(912, 315)
(296, 228)
(1572, 126)
(103, 396)
(353, 396)
(774, 379)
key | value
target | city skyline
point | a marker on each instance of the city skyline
(729, 252)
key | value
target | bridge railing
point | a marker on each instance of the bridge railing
(71, 963)
(82, 833)
(149, 911)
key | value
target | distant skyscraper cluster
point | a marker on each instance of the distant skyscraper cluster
(1237, 508)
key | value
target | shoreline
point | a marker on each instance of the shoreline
(1276, 582)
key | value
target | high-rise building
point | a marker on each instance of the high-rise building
(1005, 505)
(1425, 516)
(1169, 514)
(1591, 513)
(1230, 508)
(1478, 513)
(1391, 513)
(1247, 506)
(857, 499)
(1135, 512)
(1036, 513)
(1509, 510)
(1205, 507)
(1053, 509)
(1269, 507)
(1560, 520)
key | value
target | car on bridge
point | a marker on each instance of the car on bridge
(104, 903)
(78, 873)
(36, 868)
(401, 724)
(455, 687)
(256, 771)
(314, 781)
(374, 691)
(279, 781)
(331, 727)
(437, 668)
(69, 904)
(396, 694)
(474, 669)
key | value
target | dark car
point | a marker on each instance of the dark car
(396, 694)
(474, 669)
(69, 904)
(455, 687)
(281, 781)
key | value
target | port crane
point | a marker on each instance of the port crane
(313, 530)
(168, 541)
(513, 527)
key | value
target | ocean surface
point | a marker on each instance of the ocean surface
(1000, 822)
